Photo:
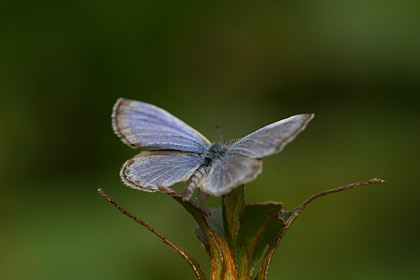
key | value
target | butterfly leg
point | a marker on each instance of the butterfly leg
(201, 197)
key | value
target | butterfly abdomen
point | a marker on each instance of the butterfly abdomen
(195, 180)
(215, 151)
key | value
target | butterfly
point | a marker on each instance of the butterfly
(177, 152)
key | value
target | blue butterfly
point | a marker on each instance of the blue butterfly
(180, 153)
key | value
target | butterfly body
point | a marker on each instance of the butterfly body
(216, 150)
(180, 153)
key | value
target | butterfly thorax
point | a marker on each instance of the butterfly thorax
(215, 151)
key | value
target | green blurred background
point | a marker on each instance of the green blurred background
(239, 65)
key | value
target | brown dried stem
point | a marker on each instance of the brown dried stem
(180, 251)
(300, 208)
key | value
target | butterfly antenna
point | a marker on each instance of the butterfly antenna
(219, 132)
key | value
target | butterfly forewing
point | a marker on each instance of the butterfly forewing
(142, 125)
(166, 168)
(272, 138)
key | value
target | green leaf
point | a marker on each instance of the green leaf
(250, 229)
(232, 205)
(215, 224)
(260, 227)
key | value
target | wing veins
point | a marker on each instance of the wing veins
(168, 123)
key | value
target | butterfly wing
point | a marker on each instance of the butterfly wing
(142, 125)
(230, 171)
(166, 168)
(272, 138)
(242, 163)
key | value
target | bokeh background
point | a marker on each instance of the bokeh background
(240, 65)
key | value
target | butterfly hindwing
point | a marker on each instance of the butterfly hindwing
(166, 168)
(230, 171)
